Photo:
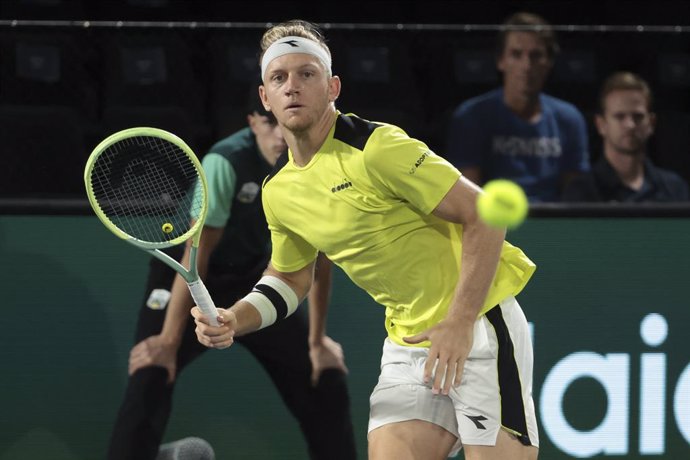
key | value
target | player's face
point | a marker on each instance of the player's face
(525, 62)
(626, 123)
(269, 137)
(298, 91)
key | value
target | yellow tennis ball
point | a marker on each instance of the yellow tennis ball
(167, 227)
(503, 204)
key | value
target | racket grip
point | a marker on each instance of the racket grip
(203, 299)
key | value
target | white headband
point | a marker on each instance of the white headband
(291, 45)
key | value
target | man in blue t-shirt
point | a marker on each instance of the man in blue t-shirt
(517, 132)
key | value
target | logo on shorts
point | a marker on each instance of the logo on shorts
(476, 419)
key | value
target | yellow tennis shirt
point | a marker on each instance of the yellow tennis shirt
(365, 200)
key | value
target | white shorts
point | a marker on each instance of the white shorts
(495, 391)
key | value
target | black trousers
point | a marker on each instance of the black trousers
(323, 412)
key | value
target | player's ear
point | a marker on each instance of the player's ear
(264, 99)
(333, 88)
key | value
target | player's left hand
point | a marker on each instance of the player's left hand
(326, 354)
(451, 342)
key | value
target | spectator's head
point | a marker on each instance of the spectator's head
(625, 120)
(269, 137)
(525, 52)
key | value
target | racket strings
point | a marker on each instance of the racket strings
(147, 187)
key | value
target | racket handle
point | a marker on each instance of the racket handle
(203, 299)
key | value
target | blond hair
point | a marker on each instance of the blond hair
(293, 28)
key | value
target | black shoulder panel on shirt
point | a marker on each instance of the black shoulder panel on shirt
(282, 161)
(353, 130)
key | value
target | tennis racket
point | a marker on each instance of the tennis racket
(148, 188)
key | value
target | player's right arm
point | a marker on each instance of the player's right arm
(248, 315)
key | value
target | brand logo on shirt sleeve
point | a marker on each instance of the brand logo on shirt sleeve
(419, 162)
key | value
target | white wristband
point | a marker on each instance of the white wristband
(273, 299)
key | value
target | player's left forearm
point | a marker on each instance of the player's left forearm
(481, 250)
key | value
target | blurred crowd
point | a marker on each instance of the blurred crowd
(569, 122)
(520, 133)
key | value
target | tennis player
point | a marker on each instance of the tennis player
(401, 221)
(233, 252)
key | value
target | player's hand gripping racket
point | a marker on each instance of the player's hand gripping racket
(144, 184)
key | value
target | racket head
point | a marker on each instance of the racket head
(145, 185)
